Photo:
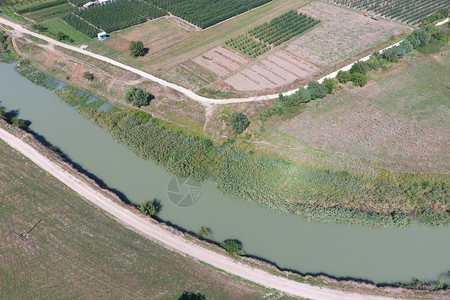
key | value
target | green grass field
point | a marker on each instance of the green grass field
(57, 25)
(398, 121)
(78, 252)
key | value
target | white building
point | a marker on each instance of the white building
(101, 36)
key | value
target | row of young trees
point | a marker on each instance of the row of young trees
(410, 11)
(39, 5)
(247, 45)
(120, 14)
(80, 25)
(270, 34)
(205, 13)
(283, 28)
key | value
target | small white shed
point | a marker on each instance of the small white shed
(101, 36)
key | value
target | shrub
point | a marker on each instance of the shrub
(343, 76)
(328, 83)
(137, 49)
(231, 246)
(89, 76)
(304, 95)
(359, 79)
(192, 296)
(360, 67)
(317, 90)
(137, 96)
(239, 122)
(150, 208)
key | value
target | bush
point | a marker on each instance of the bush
(137, 49)
(192, 296)
(231, 246)
(239, 122)
(360, 67)
(137, 96)
(317, 90)
(304, 95)
(150, 208)
(89, 76)
(329, 84)
(359, 79)
(344, 77)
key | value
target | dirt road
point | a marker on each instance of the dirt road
(203, 100)
(168, 239)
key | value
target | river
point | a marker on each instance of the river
(378, 255)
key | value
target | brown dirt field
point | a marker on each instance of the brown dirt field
(171, 45)
(222, 61)
(343, 33)
(277, 70)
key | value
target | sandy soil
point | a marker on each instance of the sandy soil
(222, 61)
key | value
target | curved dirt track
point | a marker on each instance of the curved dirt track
(185, 91)
(172, 241)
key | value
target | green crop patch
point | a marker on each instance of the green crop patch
(271, 34)
(205, 13)
(120, 14)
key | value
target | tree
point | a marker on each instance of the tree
(192, 296)
(231, 246)
(204, 231)
(360, 67)
(317, 90)
(329, 84)
(137, 49)
(343, 77)
(359, 79)
(239, 122)
(304, 95)
(150, 208)
(88, 76)
(137, 96)
(2, 112)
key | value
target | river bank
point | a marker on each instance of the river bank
(255, 235)
(92, 191)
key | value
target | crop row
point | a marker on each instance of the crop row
(261, 38)
(247, 45)
(409, 11)
(35, 6)
(80, 25)
(120, 14)
(205, 13)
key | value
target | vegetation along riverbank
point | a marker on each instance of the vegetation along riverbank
(268, 180)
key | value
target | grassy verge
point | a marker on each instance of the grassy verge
(57, 25)
(36, 39)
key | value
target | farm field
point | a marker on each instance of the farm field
(170, 45)
(399, 121)
(57, 25)
(342, 34)
(205, 13)
(77, 251)
(409, 11)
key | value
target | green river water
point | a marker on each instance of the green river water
(378, 255)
